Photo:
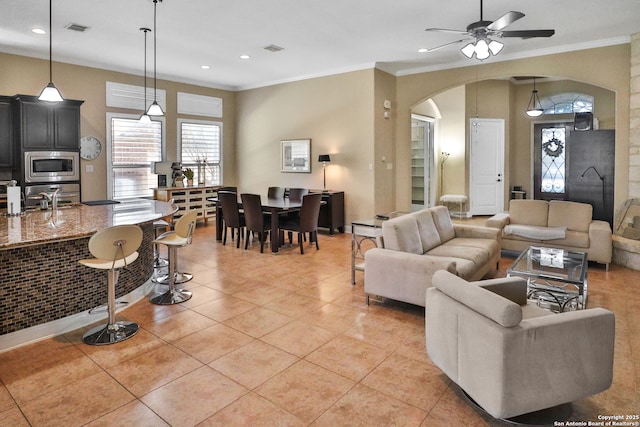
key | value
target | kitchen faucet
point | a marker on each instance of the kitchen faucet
(53, 198)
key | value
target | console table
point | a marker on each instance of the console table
(190, 198)
(332, 210)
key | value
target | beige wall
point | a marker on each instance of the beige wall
(606, 67)
(22, 75)
(335, 112)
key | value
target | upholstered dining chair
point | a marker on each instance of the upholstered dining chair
(275, 192)
(113, 248)
(297, 193)
(306, 223)
(231, 215)
(256, 220)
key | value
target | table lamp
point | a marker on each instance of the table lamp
(324, 158)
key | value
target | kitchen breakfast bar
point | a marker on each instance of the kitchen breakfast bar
(43, 288)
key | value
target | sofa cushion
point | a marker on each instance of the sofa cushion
(443, 223)
(529, 212)
(478, 256)
(427, 228)
(401, 234)
(463, 267)
(573, 215)
(575, 239)
(501, 310)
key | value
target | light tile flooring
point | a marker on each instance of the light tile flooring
(277, 340)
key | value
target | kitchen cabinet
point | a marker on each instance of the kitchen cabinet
(6, 133)
(332, 210)
(47, 126)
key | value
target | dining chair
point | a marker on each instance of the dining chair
(275, 192)
(231, 215)
(229, 189)
(307, 222)
(256, 220)
(297, 193)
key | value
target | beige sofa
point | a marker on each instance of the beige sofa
(510, 356)
(418, 244)
(554, 224)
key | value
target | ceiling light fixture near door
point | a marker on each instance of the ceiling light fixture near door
(50, 93)
(534, 109)
(154, 108)
(144, 118)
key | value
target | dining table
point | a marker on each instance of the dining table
(274, 206)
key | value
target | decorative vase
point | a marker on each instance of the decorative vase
(190, 183)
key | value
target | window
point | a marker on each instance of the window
(201, 142)
(132, 149)
(567, 103)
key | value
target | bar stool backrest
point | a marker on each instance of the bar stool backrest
(186, 224)
(115, 243)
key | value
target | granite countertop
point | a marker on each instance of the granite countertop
(72, 222)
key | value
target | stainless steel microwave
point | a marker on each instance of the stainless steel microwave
(51, 166)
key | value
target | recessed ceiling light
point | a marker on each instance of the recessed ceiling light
(423, 50)
(245, 57)
(38, 31)
(205, 67)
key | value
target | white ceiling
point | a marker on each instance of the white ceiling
(318, 37)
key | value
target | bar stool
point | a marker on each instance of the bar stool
(113, 248)
(179, 237)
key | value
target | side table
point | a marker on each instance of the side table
(363, 231)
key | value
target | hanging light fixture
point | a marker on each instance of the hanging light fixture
(50, 93)
(534, 109)
(482, 48)
(154, 108)
(144, 118)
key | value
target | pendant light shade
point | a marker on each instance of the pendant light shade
(154, 108)
(534, 109)
(50, 93)
(144, 118)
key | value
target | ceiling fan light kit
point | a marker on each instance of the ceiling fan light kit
(478, 35)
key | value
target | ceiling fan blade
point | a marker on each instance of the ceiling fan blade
(527, 34)
(445, 30)
(433, 49)
(506, 19)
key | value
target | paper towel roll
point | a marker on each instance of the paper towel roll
(13, 200)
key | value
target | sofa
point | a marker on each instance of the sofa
(510, 356)
(414, 246)
(554, 224)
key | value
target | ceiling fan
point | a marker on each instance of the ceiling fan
(479, 35)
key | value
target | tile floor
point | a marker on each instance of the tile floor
(277, 341)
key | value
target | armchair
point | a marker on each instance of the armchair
(514, 358)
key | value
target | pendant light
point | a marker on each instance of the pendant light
(144, 118)
(154, 108)
(50, 93)
(534, 109)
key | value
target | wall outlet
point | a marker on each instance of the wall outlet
(88, 168)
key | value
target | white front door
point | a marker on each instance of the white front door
(486, 175)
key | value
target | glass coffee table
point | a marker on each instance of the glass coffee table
(556, 278)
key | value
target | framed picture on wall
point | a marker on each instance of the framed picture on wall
(295, 155)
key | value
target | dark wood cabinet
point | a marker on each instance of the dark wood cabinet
(47, 126)
(6, 133)
(332, 211)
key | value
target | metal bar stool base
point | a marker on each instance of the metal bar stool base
(179, 278)
(172, 297)
(110, 333)
(160, 262)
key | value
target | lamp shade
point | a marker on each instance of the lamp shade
(324, 158)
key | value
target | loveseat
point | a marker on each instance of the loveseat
(510, 356)
(416, 245)
(554, 224)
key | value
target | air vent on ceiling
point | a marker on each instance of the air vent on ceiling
(76, 27)
(273, 48)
